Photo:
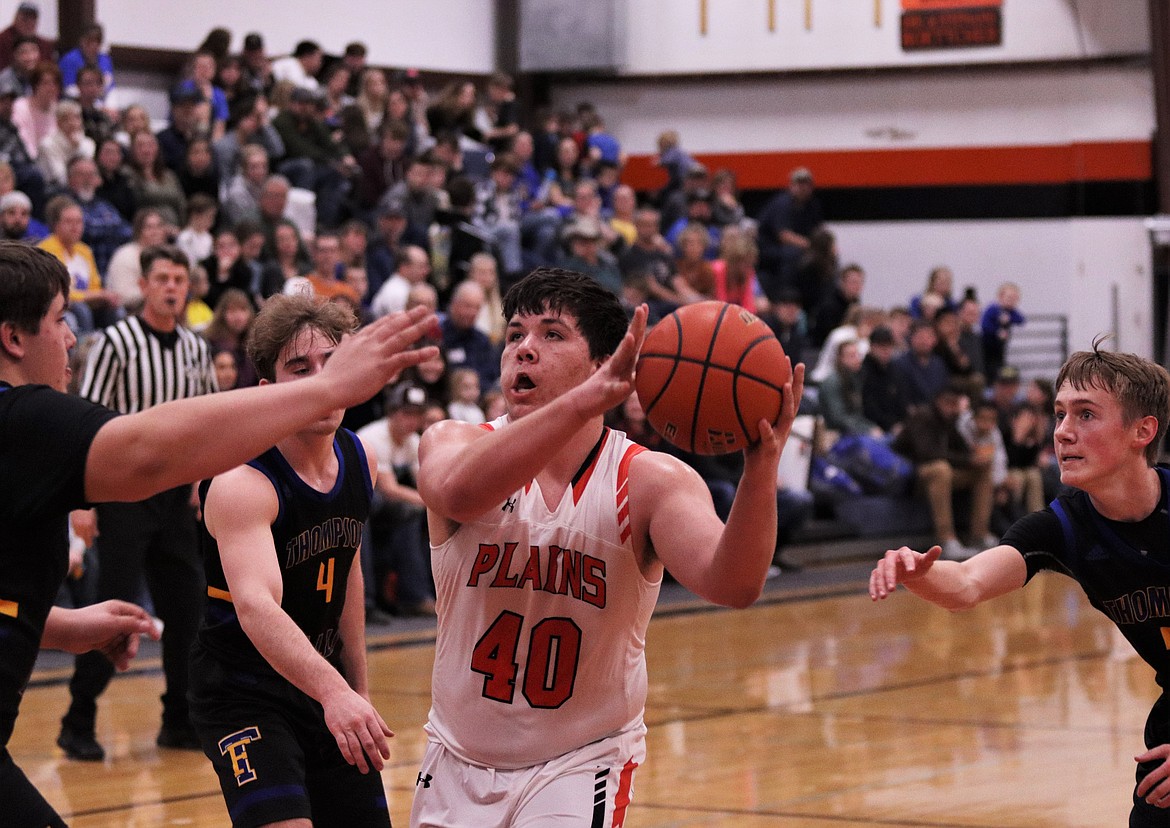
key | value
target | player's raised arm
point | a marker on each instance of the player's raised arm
(726, 564)
(952, 585)
(460, 473)
(140, 454)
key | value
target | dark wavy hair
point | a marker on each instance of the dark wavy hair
(30, 279)
(599, 315)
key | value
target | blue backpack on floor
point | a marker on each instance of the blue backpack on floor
(876, 467)
(829, 483)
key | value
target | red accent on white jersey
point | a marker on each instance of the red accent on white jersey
(555, 590)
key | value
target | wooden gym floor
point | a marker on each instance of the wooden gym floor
(814, 708)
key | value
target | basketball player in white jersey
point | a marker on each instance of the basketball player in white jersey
(549, 536)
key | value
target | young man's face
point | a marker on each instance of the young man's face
(164, 293)
(44, 357)
(986, 420)
(545, 355)
(1093, 440)
(407, 420)
(14, 221)
(304, 356)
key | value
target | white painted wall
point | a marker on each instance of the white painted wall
(663, 36)
(1067, 266)
(441, 35)
(997, 107)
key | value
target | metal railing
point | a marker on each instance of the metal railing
(1040, 346)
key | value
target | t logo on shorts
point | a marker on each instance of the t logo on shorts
(237, 745)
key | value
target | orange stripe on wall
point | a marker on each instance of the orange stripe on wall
(930, 5)
(1048, 164)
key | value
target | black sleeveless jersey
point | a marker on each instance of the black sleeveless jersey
(1124, 568)
(316, 535)
(45, 437)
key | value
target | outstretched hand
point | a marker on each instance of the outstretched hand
(111, 627)
(774, 436)
(899, 566)
(365, 362)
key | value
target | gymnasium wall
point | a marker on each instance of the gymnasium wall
(1027, 161)
(1040, 175)
(668, 37)
(442, 35)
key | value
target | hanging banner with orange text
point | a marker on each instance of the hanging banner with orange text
(951, 24)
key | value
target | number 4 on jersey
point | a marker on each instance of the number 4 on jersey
(554, 647)
(325, 579)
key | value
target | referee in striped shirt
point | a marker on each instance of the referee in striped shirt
(135, 364)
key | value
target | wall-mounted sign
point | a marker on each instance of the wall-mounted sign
(951, 24)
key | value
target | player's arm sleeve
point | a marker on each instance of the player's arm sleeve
(1039, 538)
(54, 432)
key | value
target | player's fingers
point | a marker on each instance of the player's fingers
(797, 382)
(342, 738)
(396, 331)
(1160, 795)
(354, 742)
(413, 356)
(385, 731)
(373, 744)
(127, 652)
(638, 324)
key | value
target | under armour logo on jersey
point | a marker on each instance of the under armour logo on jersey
(510, 504)
(423, 779)
(236, 744)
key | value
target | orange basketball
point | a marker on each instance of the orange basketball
(707, 374)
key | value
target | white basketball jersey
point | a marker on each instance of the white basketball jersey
(542, 620)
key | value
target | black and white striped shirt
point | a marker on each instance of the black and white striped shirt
(132, 367)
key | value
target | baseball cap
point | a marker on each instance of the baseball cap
(186, 94)
(405, 395)
(788, 296)
(392, 207)
(302, 94)
(881, 335)
(1008, 373)
(15, 198)
(584, 228)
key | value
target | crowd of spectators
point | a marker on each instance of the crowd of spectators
(355, 183)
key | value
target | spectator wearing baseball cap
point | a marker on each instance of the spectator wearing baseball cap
(395, 559)
(255, 67)
(16, 221)
(301, 67)
(173, 139)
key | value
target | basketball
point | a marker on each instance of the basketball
(707, 374)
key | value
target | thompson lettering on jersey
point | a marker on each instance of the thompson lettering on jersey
(325, 537)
